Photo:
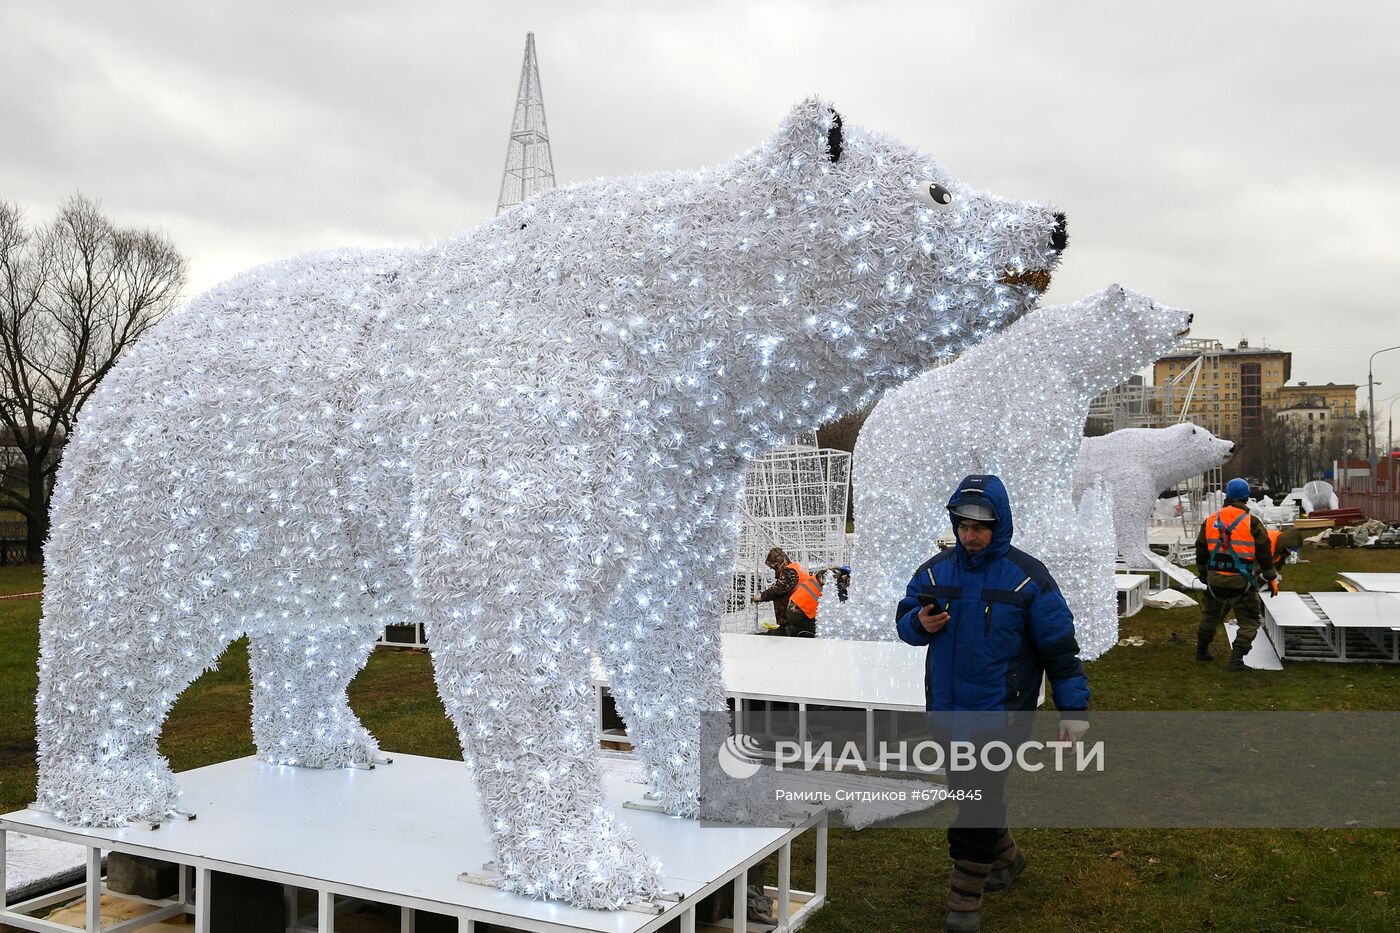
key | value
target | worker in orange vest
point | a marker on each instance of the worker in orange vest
(1233, 554)
(798, 589)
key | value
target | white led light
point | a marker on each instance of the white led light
(531, 438)
(1013, 405)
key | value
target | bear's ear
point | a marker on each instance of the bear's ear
(813, 127)
(833, 138)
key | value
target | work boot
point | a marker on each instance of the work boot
(1237, 654)
(966, 883)
(1009, 863)
(1203, 647)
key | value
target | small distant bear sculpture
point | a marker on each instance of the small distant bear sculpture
(1135, 464)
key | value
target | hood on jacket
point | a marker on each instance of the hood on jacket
(988, 491)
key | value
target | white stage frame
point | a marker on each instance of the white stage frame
(872, 676)
(293, 826)
(1132, 589)
(1371, 582)
(419, 639)
(1335, 627)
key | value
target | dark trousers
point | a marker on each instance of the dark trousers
(980, 822)
(1219, 602)
(795, 624)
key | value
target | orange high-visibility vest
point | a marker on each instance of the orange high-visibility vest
(1229, 539)
(1274, 551)
(807, 593)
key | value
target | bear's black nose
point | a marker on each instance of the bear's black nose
(1232, 448)
(1060, 238)
(1190, 318)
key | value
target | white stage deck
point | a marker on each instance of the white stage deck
(1373, 582)
(870, 676)
(1335, 626)
(1261, 655)
(370, 835)
(885, 675)
(1132, 588)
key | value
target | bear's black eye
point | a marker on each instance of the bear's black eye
(833, 137)
(936, 196)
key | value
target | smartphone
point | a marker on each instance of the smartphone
(928, 599)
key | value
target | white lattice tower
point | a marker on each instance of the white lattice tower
(795, 498)
(529, 164)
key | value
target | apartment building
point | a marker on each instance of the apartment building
(1227, 390)
(1331, 403)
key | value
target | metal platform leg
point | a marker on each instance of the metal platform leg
(203, 891)
(94, 889)
(741, 902)
(822, 829)
(784, 884)
(325, 912)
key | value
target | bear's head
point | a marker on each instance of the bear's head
(1101, 339)
(890, 263)
(1185, 450)
(794, 282)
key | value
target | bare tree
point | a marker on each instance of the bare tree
(73, 296)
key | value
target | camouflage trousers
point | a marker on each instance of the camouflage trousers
(1219, 603)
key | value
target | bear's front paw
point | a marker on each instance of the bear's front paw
(111, 792)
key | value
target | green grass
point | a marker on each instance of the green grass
(893, 879)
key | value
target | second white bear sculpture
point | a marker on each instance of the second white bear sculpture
(530, 437)
(1135, 465)
(1013, 405)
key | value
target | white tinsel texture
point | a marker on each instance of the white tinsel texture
(1134, 465)
(530, 437)
(1013, 405)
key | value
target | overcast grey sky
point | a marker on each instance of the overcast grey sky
(1239, 159)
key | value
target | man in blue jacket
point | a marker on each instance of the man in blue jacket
(994, 622)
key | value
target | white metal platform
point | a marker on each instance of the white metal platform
(403, 636)
(1132, 588)
(872, 676)
(868, 676)
(1372, 582)
(1261, 655)
(1334, 626)
(369, 835)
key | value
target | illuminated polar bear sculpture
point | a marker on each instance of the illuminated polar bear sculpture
(531, 437)
(1013, 405)
(1134, 465)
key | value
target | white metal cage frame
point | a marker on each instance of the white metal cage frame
(795, 498)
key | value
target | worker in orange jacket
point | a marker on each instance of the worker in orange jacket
(1233, 555)
(798, 589)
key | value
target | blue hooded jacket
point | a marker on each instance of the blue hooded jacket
(1008, 622)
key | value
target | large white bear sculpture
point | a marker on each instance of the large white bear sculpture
(1135, 464)
(530, 437)
(1013, 405)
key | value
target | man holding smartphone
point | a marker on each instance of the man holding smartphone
(994, 623)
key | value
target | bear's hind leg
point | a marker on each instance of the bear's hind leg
(301, 714)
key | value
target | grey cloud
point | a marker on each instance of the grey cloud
(1234, 158)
